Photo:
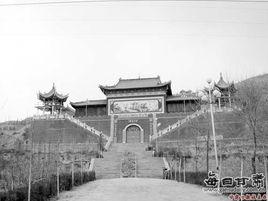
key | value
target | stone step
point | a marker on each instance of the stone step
(147, 166)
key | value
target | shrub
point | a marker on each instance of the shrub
(158, 154)
(192, 177)
(45, 189)
(149, 148)
(128, 165)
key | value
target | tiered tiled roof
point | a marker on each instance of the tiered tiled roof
(52, 94)
(137, 83)
(221, 85)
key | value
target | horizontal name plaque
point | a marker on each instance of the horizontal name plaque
(124, 116)
(135, 106)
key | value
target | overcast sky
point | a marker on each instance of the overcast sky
(79, 46)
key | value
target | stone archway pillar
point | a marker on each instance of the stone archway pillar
(154, 126)
(124, 139)
(112, 126)
(142, 136)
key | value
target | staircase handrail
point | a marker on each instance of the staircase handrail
(166, 164)
(179, 123)
(74, 120)
(92, 164)
(87, 127)
(109, 142)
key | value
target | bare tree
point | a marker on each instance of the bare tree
(250, 102)
(199, 127)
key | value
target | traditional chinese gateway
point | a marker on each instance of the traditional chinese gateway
(134, 109)
(134, 113)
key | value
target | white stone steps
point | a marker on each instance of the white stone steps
(147, 166)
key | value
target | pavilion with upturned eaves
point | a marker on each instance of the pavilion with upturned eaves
(53, 102)
(227, 91)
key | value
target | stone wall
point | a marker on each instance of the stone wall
(64, 131)
(226, 124)
(101, 123)
(166, 119)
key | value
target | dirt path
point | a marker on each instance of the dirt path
(137, 189)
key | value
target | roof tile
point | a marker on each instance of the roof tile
(137, 83)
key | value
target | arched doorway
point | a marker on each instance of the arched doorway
(133, 133)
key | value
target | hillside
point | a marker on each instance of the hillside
(12, 132)
(261, 79)
(258, 78)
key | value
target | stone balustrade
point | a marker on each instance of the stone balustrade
(72, 119)
(179, 123)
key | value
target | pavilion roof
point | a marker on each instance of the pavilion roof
(137, 83)
(52, 94)
(89, 102)
(221, 83)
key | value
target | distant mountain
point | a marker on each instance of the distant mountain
(261, 79)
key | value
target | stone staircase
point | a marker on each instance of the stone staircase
(109, 166)
(147, 166)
